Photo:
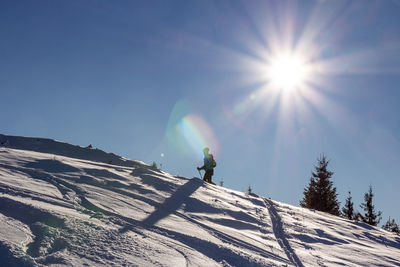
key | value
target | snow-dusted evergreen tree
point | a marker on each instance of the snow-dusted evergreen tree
(321, 194)
(370, 216)
(391, 226)
(348, 208)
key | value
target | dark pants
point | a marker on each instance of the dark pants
(207, 175)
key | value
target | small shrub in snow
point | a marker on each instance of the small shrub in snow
(249, 190)
(5, 143)
(357, 217)
(154, 165)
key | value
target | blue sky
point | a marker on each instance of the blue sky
(149, 78)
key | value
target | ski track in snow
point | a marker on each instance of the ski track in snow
(280, 234)
(73, 211)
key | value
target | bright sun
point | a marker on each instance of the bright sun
(287, 72)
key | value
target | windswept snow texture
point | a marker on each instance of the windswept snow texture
(66, 205)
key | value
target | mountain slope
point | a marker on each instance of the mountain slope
(66, 205)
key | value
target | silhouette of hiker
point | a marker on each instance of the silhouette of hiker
(209, 165)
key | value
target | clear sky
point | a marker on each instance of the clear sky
(267, 85)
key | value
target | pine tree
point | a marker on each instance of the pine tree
(321, 194)
(391, 226)
(370, 216)
(348, 209)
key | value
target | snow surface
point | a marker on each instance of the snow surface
(65, 205)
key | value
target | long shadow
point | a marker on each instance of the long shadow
(333, 239)
(173, 203)
(309, 239)
(323, 238)
(280, 234)
(195, 205)
(53, 166)
(157, 183)
(151, 177)
(363, 225)
(104, 173)
(170, 205)
(382, 240)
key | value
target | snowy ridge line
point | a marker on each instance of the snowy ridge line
(280, 234)
(50, 146)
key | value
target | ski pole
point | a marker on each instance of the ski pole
(200, 174)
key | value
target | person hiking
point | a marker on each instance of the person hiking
(209, 165)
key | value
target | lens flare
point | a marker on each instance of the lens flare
(188, 133)
(197, 133)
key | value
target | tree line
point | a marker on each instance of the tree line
(321, 195)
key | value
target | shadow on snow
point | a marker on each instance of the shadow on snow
(172, 203)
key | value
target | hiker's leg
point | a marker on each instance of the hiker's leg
(207, 176)
(211, 174)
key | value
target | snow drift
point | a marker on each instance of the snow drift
(62, 204)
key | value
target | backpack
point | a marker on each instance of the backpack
(214, 164)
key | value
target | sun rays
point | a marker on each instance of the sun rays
(288, 78)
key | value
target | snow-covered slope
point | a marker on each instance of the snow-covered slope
(66, 205)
